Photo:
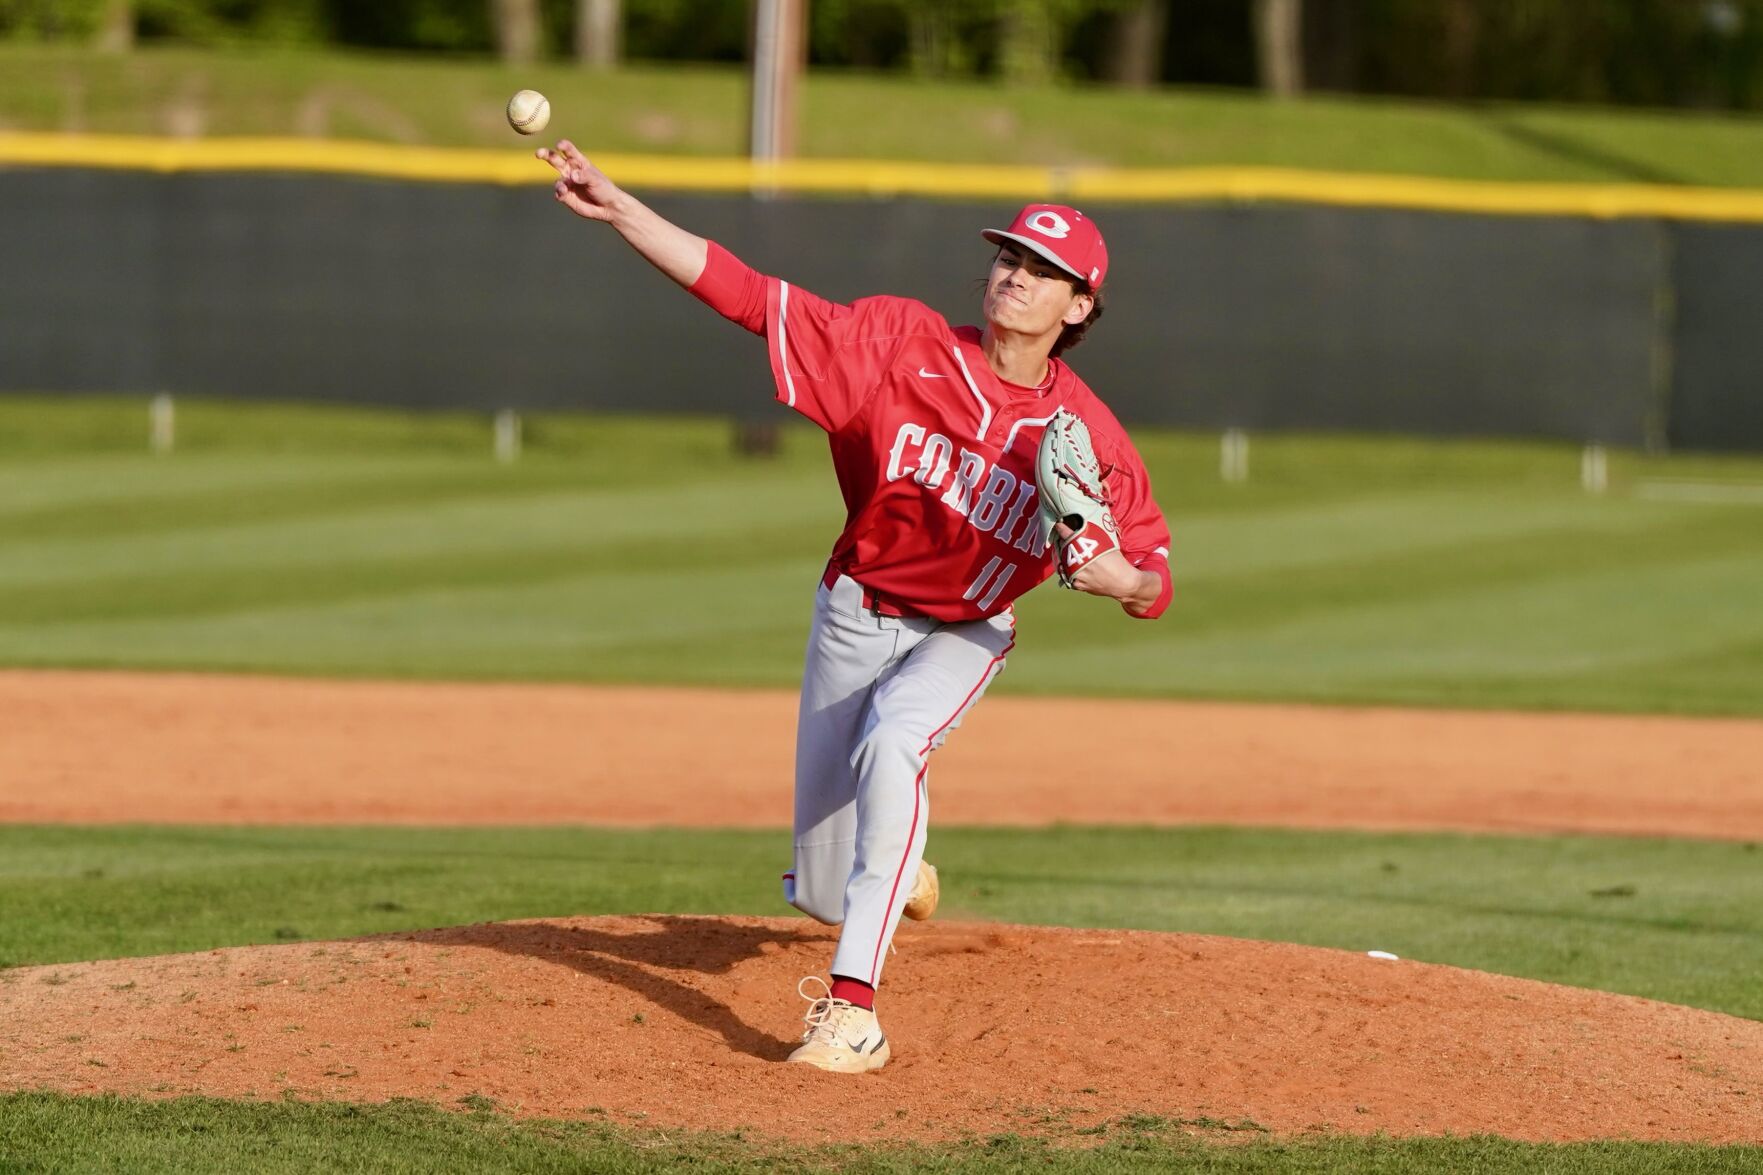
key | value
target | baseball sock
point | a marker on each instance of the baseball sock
(854, 991)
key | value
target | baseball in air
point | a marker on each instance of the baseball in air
(528, 112)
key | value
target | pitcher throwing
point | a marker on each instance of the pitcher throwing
(934, 432)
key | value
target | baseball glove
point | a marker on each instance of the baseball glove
(1070, 482)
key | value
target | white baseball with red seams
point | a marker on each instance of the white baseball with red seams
(934, 455)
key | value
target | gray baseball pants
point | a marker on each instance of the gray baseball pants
(879, 694)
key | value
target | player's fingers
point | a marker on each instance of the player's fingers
(554, 159)
(572, 153)
(1062, 531)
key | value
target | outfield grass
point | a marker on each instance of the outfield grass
(703, 110)
(1680, 921)
(352, 542)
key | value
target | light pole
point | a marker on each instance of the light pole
(779, 47)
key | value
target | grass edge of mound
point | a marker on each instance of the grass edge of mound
(41, 1130)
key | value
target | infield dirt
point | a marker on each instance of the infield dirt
(98, 747)
(682, 1022)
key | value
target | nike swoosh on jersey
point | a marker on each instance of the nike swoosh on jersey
(930, 374)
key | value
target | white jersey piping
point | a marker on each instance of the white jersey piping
(1023, 421)
(985, 409)
(783, 352)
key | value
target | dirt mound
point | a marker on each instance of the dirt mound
(672, 1021)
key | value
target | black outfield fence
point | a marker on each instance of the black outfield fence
(1625, 331)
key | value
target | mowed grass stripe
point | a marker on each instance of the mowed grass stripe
(596, 522)
(1357, 529)
(1471, 535)
(123, 497)
(1539, 619)
(175, 596)
(424, 536)
(1668, 919)
(1555, 625)
(1446, 564)
(355, 542)
(560, 628)
(94, 495)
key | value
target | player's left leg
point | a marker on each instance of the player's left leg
(914, 708)
(849, 649)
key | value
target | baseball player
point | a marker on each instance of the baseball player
(934, 432)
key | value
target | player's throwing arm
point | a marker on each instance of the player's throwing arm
(584, 190)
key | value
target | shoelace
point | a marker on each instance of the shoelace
(826, 1016)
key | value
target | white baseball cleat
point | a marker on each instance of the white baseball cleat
(841, 1037)
(925, 893)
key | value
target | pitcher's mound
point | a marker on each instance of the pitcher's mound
(683, 1022)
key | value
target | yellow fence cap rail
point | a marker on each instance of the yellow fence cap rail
(883, 178)
(1486, 197)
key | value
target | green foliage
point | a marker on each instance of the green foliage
(1644, 52)
(1680, 921)
(48, 20)
(451, 26)
(193, 22)
(1649, 52)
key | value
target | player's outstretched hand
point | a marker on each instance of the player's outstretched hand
(581, 187)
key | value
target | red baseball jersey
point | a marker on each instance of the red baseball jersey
(935, 454)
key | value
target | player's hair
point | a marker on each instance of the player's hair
(1074, 332)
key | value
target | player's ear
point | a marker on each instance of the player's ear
(1080, 307)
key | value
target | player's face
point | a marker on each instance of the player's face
(1027, 294)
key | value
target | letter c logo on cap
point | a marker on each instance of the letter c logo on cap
(1048, 224)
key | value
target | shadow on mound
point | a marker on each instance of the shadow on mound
(644, 961)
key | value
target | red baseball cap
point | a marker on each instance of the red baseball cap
(1062, 235)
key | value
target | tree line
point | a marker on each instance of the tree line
(1690, 53)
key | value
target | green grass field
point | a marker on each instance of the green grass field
(702, 111)
(332, 541)
(348, 542)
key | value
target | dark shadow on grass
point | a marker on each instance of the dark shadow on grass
(1572, 150)
(707, 946)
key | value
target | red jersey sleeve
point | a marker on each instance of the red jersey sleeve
(732, 288)
(1144, 535)
(826, 357)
